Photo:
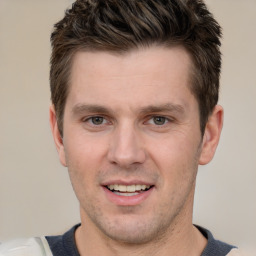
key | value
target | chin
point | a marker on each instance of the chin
(133, 231)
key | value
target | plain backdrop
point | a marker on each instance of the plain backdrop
(36, 197)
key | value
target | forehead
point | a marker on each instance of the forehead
(135, 61)
(156, 74)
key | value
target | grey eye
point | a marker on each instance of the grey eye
(159, 120)
(97, 120)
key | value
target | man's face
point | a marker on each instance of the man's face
(132, 141)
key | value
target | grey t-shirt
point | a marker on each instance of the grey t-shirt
(64, 245)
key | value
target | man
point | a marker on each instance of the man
(134, 88)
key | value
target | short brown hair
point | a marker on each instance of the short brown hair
(121, 25)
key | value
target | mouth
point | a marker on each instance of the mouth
(129, 190)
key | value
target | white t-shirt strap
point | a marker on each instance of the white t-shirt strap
(237, 252)
(35, 246)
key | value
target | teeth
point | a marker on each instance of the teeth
(111, 187)
(125, 194)
(130, 188)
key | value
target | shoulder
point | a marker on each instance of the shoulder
(64, 244)
(215, 247)
(238, 252)
(35, 246)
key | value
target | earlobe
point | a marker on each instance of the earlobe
(212, 135)
(57, 136)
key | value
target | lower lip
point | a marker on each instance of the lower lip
(127, 200)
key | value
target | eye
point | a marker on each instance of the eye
(96, 120)
(159, 120)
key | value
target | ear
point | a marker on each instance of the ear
(56, 135)
(211, 135)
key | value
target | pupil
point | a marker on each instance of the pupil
(159, 120)
(97, 120)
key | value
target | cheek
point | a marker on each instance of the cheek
(176, 158)
(178, 168)
(84, 160)
(84, 152)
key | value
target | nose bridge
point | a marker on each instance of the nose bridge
(126, 146)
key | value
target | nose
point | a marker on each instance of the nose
(126, 147)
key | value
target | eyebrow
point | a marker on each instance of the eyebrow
(79, 109)
(168, 107)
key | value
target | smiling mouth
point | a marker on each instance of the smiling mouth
(130, 190)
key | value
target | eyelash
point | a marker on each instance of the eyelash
(153, 118)
(105, 120)
(90, 120)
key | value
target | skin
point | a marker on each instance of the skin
(148, 131)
